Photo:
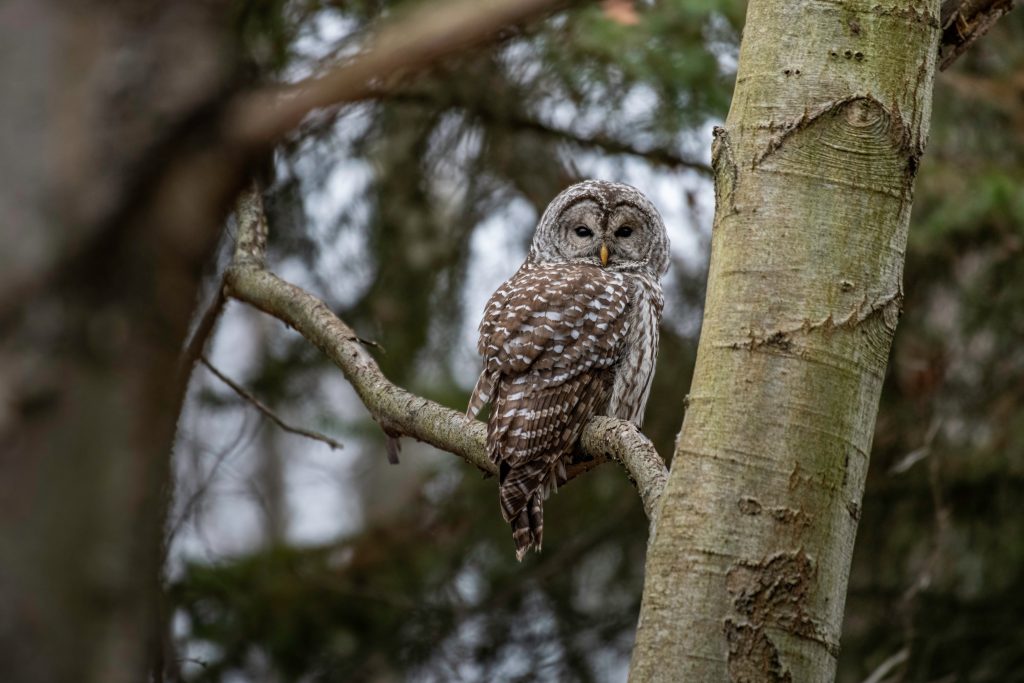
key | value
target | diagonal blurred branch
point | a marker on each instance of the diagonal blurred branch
(396, 410)
(963, 22)
(427, 33)
(204, 152)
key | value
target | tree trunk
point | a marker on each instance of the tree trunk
(103, 128)
(814, 170)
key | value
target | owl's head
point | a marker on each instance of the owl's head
(611, 225)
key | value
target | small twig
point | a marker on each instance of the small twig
(194, 660)
(886, 667)
(918, 454)
(189, 508)
(370, 342)
(270, 414)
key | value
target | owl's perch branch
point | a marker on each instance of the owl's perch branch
(394, 408)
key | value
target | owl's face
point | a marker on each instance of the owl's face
(610, 225)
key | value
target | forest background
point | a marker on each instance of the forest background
(288, 559)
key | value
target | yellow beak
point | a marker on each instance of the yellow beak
(604, 254)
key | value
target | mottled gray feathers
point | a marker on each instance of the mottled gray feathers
(568, 337)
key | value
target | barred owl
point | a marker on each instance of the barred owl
(573, 334)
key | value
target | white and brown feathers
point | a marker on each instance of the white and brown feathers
(571, 335)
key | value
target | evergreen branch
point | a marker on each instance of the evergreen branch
(658, 156)
(489, 112)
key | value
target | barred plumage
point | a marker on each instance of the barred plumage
(573, 334)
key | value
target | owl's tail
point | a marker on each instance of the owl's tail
(521, 492)
(528, 526)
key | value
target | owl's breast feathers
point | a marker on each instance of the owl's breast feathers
(635, 370)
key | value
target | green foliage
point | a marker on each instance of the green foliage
(428, 593)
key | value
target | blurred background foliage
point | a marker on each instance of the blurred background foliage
(288, 561)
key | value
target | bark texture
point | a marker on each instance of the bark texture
(814, 171)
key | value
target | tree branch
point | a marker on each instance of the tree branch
(263, 408)
(623, 441)
(396, 410)
(963, 22)
(422, 36)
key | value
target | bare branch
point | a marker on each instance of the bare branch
(963, 22)
(395, 409)
(263, 408)
(624, 442)
(401, 413)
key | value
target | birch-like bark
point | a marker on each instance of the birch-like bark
(814, 170)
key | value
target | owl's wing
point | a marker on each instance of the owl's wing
(555, 322)
(484, 389)
(548, 337)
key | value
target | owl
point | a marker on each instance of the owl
(572, 334)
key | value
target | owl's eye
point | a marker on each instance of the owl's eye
(583, 231)
(624, 231)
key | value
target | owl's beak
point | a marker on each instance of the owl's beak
(604, 254)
